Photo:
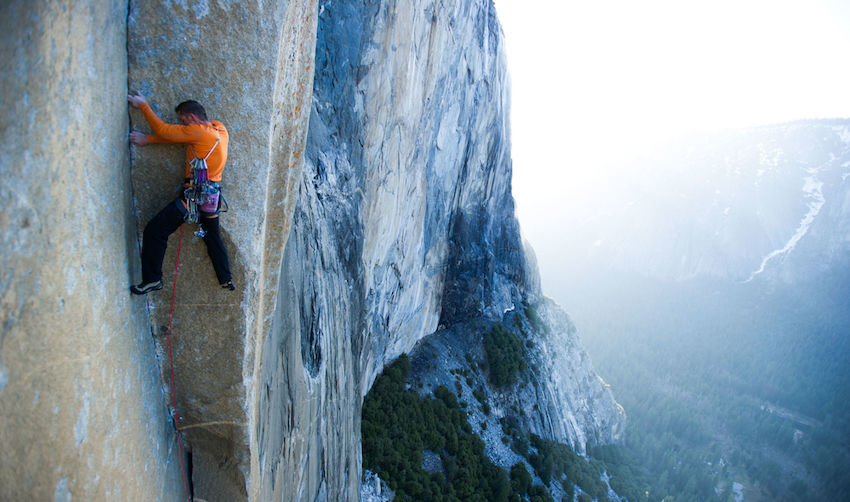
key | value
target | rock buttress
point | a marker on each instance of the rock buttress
(81, 409)
(407, 158)
(251, 65)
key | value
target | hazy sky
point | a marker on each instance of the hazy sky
(595, 81)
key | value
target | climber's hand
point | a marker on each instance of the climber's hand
(138, 138)
(136, 100)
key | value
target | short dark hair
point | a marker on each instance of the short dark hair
(191, 106)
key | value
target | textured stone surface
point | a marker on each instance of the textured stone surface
(404, 222)
(407, 152)
(567, 401)
(81, 411)
(559, 396)
(251, 65)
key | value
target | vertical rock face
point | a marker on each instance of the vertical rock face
(419, 125)
(407, 152)
(251, 65)
(404, 221)
(81, 411)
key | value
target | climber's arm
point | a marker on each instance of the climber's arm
(163, 132)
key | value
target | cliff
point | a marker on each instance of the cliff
(404, 223)
(82, 405)
(405, 165)
(370, 206)
(81, 412)
(252, 64)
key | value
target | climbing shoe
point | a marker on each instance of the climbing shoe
(143, 289)
(228, 285)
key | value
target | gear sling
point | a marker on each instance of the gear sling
(202, 195)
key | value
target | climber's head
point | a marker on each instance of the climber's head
(191, 112)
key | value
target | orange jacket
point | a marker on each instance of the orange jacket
(199, 137)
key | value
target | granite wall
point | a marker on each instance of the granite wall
(82, 415)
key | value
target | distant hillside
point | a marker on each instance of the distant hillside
(731, 205)
(712, 292)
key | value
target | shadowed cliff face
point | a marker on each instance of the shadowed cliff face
(404, 213)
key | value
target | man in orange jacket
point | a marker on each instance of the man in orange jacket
(205, 139)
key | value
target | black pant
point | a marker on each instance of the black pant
(155, 241)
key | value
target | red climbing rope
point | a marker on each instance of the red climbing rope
(171, 363)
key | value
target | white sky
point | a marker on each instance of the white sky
(594, 80)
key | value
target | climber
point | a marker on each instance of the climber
(206, 140)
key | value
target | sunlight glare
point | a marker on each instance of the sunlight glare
(596, 83)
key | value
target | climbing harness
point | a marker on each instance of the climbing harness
(202, 194)
(171, 364)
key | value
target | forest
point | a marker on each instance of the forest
(710, 284)
(400, 428)
(724, 385)
(739, 394)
